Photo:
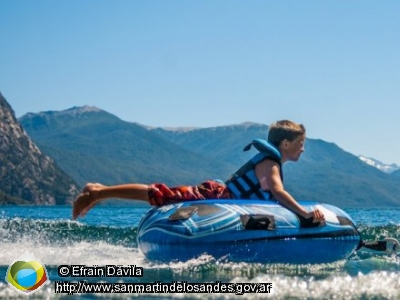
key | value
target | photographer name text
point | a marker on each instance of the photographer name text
(100, 271)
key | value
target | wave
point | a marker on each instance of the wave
(61, 241)
(365, 274)
(12, 228)
(64, 232)
(56, 242)
(375, 285)
(373, 232)
(67, 231)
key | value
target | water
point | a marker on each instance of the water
(107, 236)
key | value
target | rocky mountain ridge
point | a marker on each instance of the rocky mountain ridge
(27, 176)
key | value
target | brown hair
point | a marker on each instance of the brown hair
(284, 130)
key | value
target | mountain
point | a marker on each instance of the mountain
(387, 168)
(94, 146)
(396, 174)
(26, 175)
(341, 177)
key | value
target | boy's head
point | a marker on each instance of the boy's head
(285, 130)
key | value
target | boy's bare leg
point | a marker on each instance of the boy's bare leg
(93, 193)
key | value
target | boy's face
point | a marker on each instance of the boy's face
(294, 148)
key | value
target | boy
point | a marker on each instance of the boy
(286, 136)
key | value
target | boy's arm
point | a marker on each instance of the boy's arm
(268, 174)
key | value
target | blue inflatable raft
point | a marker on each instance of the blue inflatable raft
(247, 231)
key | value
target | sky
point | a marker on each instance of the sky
(331, 65)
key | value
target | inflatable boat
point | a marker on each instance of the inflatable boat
(246, 231)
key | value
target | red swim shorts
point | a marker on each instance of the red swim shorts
(160, 194)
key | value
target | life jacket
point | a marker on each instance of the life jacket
(243, 184)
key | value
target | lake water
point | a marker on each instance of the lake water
(107, 236)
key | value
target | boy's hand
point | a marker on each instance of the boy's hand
(316, 214)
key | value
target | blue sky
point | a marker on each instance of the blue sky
(332, 65)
